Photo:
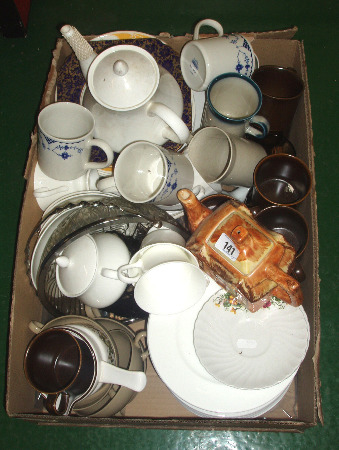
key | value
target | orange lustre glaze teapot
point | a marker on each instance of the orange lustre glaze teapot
(233, 248)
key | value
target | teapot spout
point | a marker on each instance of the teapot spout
(82, 49)
(195, 211)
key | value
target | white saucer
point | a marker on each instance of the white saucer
(53, 190)
(250, 350)
(170, 343)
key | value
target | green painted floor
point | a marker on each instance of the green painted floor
(23, 66)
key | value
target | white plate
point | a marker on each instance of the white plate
(250, 350)
(247, 415)
(46, 231)
(170, 343)
(76, 197)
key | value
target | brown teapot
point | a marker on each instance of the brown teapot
(232, 247)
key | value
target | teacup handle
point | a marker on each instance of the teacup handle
(209, 22)
(109, 273)
(59, 404)
(261, 122)
(107, 184)
(126, 278)
(141, 335)
(178, 131)
(106, 149)
(35, 326)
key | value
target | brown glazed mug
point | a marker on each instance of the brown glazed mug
(279, 179)
(61, 366)
(281, 89)
(287, 221)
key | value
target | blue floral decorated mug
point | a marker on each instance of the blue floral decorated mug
(145, 172)
(203, 59)
(65, 141)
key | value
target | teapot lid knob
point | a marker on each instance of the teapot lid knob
(120, 67)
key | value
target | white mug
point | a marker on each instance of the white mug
(144, 172)
(151, 256)
(202, 60)
(224, 158)
(65, 140)
(232, 103)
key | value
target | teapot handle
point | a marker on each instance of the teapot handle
(285, 282)
(179, 132)
(211, 23)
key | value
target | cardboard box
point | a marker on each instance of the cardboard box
(156, 407)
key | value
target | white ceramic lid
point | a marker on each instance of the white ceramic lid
(123, 77)
(76, 266)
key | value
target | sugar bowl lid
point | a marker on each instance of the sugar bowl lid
(123, 77)
(76, 266)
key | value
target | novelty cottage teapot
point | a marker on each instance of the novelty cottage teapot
(130, 96)
(233, 248)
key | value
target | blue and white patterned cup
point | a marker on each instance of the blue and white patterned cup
(65, 141)
(202, 60)
(145, 172)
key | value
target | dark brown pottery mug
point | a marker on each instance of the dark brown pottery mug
(279, 179)
(60, 366)
(281, 89)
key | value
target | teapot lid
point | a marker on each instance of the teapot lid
(123, 77)
(76, 266)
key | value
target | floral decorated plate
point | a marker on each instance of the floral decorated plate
(250, 350)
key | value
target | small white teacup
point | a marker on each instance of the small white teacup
(153, 255)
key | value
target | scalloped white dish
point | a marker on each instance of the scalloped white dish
(250, 350)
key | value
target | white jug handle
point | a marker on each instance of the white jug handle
(261, 122)
(109, 273)
(106, 149)
(35, 326)
(135, 380)
(211, 23)
(175, 123)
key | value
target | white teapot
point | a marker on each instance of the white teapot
(130, 96)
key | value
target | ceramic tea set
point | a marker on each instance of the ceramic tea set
(193, 221)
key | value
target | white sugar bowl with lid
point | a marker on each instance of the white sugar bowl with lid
(87, 269)
(130, 96)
